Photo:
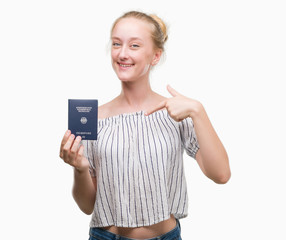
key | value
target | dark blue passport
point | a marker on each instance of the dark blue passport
(82, 118)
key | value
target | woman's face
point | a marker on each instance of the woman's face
(132, 51)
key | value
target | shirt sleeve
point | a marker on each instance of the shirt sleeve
(89, 153)
(188, 137)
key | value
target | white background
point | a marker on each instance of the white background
(230, 55)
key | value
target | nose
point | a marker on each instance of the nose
(123, 54)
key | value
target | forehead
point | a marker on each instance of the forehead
(132, 28)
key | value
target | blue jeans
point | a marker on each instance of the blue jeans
(101, 234)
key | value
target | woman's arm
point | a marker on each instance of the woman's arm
(84, 188)
(211, 157)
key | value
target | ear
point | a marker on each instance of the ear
(157, 56)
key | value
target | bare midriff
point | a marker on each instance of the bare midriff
(146, 231)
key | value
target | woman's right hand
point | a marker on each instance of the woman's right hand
(72, 153)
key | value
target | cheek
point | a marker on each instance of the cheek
(150, 57)
(113, 59)
(113, 55)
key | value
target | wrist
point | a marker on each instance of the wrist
(83, 170)
(196, 109)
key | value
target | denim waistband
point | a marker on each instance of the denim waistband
(99, 233)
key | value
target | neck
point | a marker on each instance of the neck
(136, 95)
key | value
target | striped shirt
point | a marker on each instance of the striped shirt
(138, 163)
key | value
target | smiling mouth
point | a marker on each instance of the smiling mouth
(125, 65)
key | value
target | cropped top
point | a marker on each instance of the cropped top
(138, 163)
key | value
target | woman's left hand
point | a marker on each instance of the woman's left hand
(211, 157)
(178, 106)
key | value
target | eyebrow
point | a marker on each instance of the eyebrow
(131, 39)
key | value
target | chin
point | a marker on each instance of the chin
(125, 78)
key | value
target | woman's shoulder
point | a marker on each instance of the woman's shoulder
(160, 98)
(104, 110)
(109, 109)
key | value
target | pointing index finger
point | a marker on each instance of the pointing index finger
(158, 107)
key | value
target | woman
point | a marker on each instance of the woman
(132, 178)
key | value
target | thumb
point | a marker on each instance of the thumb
(172, 91)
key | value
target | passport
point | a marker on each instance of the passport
(82, 118)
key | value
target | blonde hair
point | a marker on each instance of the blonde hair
(159, 33)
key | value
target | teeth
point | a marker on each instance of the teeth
(124, 65)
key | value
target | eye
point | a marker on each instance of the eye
(135, 45)
(115, 44)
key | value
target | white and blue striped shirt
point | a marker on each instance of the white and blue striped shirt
(138, 163)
